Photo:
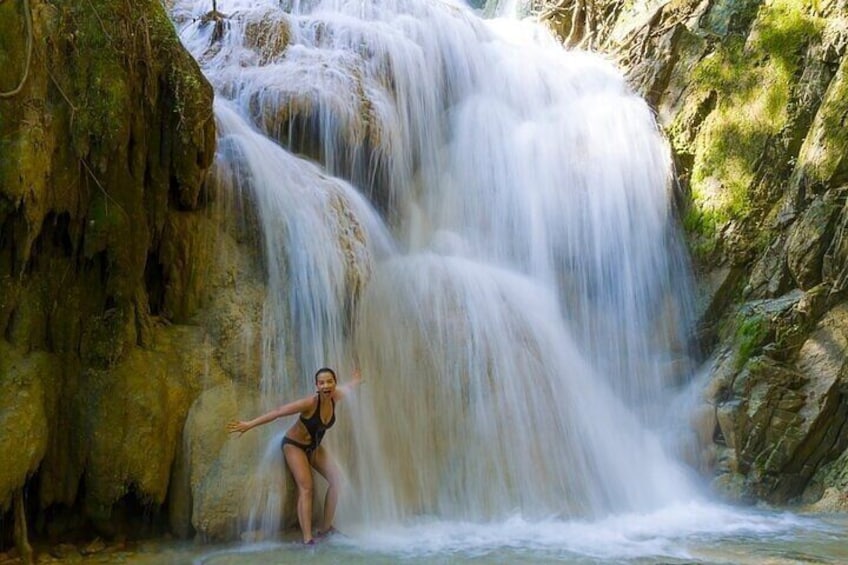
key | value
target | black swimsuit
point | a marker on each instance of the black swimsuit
(315, 427)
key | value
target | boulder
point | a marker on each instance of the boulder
(226, 474)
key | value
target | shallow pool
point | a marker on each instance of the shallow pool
(693, 533)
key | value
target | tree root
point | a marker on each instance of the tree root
(21, 541)
(28, 22)
(217, 18)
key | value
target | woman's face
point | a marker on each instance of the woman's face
(325, 382)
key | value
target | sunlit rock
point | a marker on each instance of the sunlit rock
(219, 469)
(783, 422)
(822, 159)
(832, 500)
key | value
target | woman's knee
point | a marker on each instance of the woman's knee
(335, 482)
(304, 482)
(304, 490)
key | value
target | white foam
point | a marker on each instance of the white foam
(671, 532)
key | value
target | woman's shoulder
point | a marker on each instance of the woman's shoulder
(308, 403)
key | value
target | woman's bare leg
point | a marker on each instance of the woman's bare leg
(298, 463)
(326, 465)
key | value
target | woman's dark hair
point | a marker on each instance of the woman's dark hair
(325, 370)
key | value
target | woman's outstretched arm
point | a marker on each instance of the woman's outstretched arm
(279, 412)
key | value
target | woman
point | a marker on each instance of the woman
(302, 445)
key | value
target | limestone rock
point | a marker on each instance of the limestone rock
(26, 383)
(770, 276)
(833, 500)
(221, 469)
(823, 158)
(732, 487)
(828, 491)
(715, 291)
(206, 265)
(104, 149)
(134, 417)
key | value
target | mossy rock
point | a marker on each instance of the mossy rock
(134, 414)
(748, 79)
(783, 419)
(823, 160)
(112, 131)
(27, 381)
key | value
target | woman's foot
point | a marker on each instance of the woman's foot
(309, 542)
(328, 532)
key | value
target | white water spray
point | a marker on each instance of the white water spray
(518, 300)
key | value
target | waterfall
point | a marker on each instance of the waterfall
(482, 222)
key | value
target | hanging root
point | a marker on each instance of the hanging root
(28, 22)
(21, 541)
(214, 16)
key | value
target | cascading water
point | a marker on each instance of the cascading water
(518, 302)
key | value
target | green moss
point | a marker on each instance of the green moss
(190, 88)
(26, 379)
(99, 89)
(751, 333)
(703, 224)
(91, 155)
(785, 28)
(12, 46)
(752, 81)
(125, 45)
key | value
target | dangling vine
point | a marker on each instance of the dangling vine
(28, 20)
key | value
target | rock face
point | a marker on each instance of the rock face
(753, 98)
(111, 241)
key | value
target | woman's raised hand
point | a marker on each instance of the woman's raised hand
(235, 426)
